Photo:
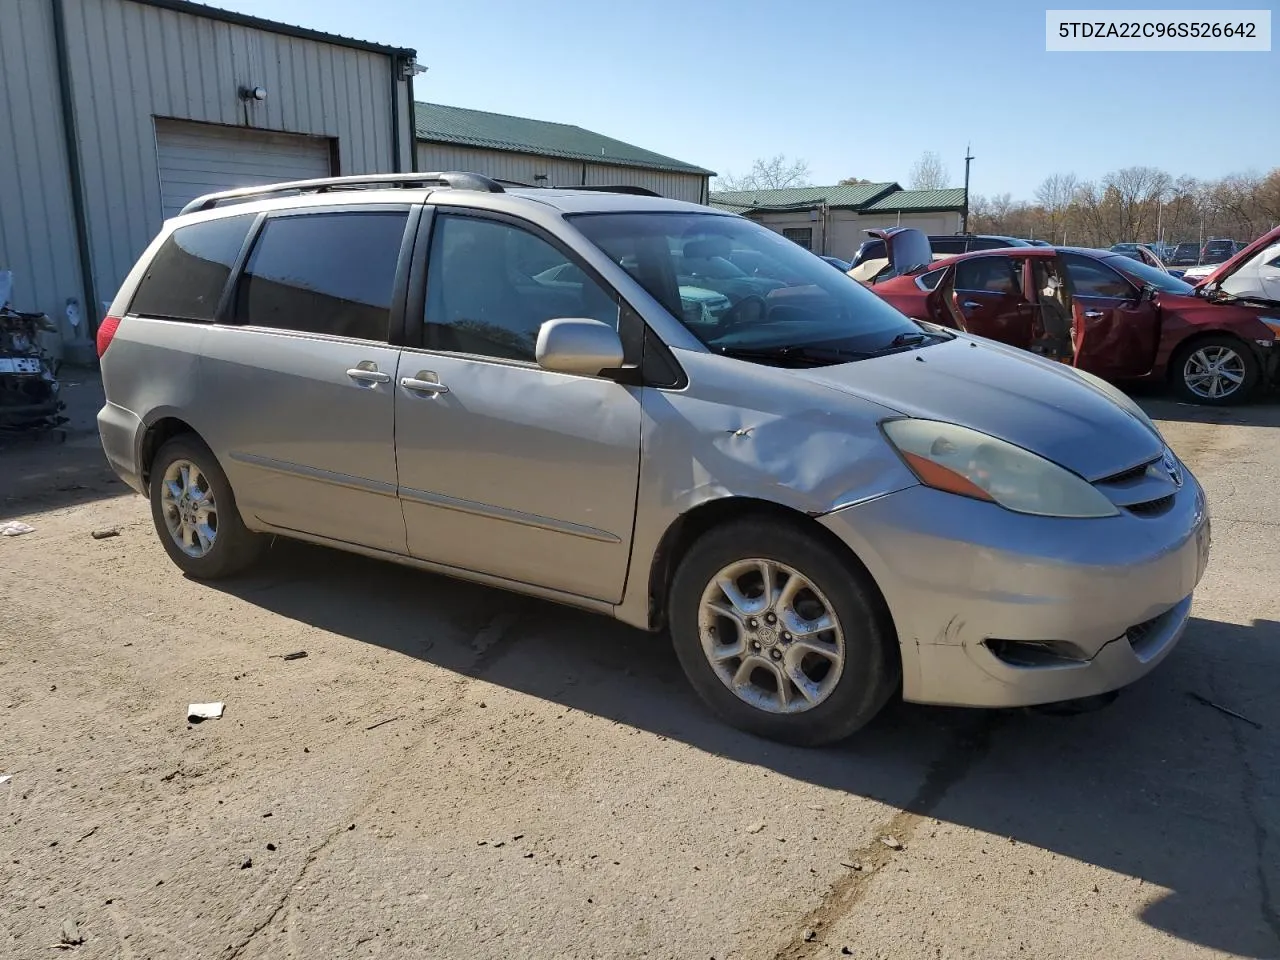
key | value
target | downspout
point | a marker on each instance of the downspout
(413, 124)
(396, 61)
(92, 307)
(584, 174)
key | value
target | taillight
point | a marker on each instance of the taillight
(106, 330)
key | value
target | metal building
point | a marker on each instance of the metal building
(114, 113)
(832, 220)
(542, 153)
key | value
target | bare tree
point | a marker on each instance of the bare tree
(772, 173)
(929, 172)
(1055, 195)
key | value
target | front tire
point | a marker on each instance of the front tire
(195, 513)
(781, 633)
(1216, 371)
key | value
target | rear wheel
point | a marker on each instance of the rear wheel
(1217, 370)
(195, 513)
(781, 634)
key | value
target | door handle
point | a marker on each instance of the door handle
(424, 382)
(1094, 314)
(368, 372)
(971, 305)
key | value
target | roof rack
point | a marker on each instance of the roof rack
(615, 188)
(455, 180)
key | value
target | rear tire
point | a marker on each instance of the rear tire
(195, 512)
(1206, 366)
(748, 690)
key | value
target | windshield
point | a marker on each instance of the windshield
(1145, 273)
(778, 294)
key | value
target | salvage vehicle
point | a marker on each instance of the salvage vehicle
(1103, 312)
(822, 501)
(870, 263)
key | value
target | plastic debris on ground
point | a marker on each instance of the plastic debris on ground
(197, 712)
(15, 528)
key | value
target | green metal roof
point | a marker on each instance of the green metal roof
(919, 200)
(859, 195)
(437, 123)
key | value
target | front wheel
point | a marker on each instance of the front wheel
(195, 513)
(781, 634)
(1217, 371)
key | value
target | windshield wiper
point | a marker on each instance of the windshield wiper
(796, 353)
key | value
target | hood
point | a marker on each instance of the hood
(1230, 266)
(1036, 404)
(907, 248)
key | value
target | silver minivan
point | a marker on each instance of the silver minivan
(658, 412)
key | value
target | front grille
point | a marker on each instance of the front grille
(1152, 508)
(1133, 473)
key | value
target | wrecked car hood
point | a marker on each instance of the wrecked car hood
(1036, 404)
(1227, 268)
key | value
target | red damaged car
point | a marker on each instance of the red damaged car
(1106, 313)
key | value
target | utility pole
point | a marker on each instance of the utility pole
(964, 217)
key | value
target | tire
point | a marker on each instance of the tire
(871, 667)
(231, 548)
(1191, 357)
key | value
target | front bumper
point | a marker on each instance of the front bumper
(999, 609)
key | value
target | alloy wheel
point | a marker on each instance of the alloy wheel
(771, 636)
(1214, 372)
(189, 509)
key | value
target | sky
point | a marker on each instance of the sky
(853, 88)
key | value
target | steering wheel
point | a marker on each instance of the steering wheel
(750, 309)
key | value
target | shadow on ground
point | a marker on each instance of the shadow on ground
(1157, 786)
(1262, 412)
(45, 472)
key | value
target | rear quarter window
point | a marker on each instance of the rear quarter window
(327, 273)
(186, 277)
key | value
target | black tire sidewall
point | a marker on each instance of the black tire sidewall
(1252, 371)
(234, 546)
(872, 665)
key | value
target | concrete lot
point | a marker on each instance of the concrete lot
(454, 772)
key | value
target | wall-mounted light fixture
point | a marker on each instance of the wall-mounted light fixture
(410, 68)
(253, 93)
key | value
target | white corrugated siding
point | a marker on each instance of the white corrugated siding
(37, 229)
(131, 63)
(199, 158)
(525, 167)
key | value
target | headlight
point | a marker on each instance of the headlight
(962, 461)
(1122, 400)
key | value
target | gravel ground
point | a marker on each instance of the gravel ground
(456, 772)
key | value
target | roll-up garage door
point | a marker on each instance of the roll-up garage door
(199, 158)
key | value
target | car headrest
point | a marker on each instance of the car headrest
(706, 249)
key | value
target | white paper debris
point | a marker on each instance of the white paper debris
(204, 711)
(15, 528)
(5, 777)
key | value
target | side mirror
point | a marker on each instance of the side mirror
(578, 345)
(1147, 293)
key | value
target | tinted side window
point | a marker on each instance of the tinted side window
(185, 279)
(491, 286)
(947, 245)
(988, 274)
(986, 243)
(329, 273)
(1090, 278)
(930, 280)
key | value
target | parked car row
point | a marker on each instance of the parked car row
(1115, 315)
